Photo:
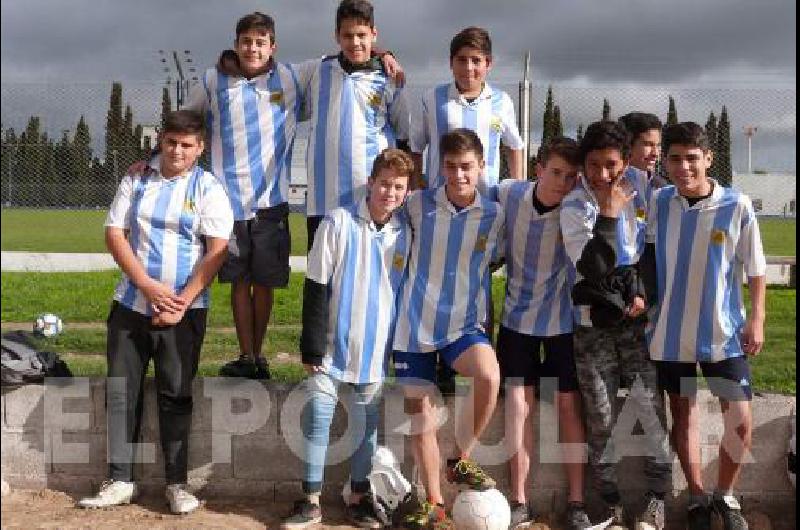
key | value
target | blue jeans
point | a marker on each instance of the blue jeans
(361, 403)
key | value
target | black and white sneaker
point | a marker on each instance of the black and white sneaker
(577, 518)
(727, 507)
(362, 514)
(304, 514)
(522, 515)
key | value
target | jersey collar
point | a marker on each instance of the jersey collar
(455, 95)
(442, 200)
(362, 212)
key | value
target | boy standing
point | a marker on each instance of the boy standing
(467, 102)
(645, 129)
(702, 237)
(168, 230)
(603, 224)
(356, 111)
(538, 313)
(443, 310)
(355, 269)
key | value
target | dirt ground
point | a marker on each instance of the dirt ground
(54, 509)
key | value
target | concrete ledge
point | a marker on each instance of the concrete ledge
(243, 443)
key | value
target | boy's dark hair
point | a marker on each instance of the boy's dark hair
(686, 133)
(360, 10)
(472, 37)
(566, 148)
(604, 135)
(396, 159)
(185, 122)
(460, 141)
(259, 21)
(639, 123)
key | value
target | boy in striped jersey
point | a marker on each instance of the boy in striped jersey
(603, 225)
(538, 313)
(168, 230)
(701, 238)
(355, 270)
(356, 111)
(467, 101)
(457, 236)
(645, 129)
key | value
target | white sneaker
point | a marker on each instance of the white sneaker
(112, 493)
(180, 500)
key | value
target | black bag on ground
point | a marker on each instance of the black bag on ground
(22, 363)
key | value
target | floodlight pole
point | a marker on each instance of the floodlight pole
(750, 131)
(524, 114)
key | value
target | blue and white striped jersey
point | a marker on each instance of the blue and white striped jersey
(579, 211)
(354, 117)
(443, 108)
(364, 269)
(166, 220)
(538, 273)
(251, 129)
(702, 252)
(449, 279)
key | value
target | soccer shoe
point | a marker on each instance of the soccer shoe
(112, 493)
(428, 516)
(262, 369)
(180, 500)
(653, 515)
(304, 514)
(577, 518)
(362, 514)
(615, 516)
(729, 510)
(241, 367)
(522, 515)
(470, 475)
(698, 517)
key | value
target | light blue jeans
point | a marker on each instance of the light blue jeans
(361, 402)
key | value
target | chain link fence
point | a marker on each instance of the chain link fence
(58, 154)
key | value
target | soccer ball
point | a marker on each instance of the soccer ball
(47, 325)
(481, 510)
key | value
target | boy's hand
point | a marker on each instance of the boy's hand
(162, 297)
(753, 335)
(168, 318)
(137, 167)
(393, 69)
(612, 197)
(313, 369)
(636, 308)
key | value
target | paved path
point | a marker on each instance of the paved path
(74, 262)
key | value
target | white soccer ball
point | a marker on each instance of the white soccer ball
(481, 510)
(47, 325)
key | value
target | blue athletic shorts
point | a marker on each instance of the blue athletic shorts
(414, 368)
(728, 379)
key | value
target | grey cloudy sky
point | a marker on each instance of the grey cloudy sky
(641, 47)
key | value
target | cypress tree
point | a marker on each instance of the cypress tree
(711, 133)
(30, 157)
(114, 121)
(166, 106)
(81, 161)
(547, 119)
(606, 110)
(723, 154)
(672, 114)
(579, 133)
(8, 162)
(558, 128)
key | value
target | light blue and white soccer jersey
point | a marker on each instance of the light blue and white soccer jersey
(364, 269)
(354, 117)
(538, 273)
(579, 211)
(449, 279)
(702, 252)
(166, 220)
(251, 128)
(443, 108)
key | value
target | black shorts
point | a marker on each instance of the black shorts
(521, 361)
(259, 248)
(728, 379)
(312, 223)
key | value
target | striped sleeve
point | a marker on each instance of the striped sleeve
(322, 256)
(576, 226)
(216, 216)
(511, 136)
(749, 249)
(652, 218)
(119, 214)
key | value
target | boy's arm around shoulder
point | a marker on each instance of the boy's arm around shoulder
(589, 245)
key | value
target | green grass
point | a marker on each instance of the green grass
(84, 298)
(779, 236)
(82, 230)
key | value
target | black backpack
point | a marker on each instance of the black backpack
(22, 363)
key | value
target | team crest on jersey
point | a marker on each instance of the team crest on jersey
(717, 237)
(276, 98)
(480, 244)
(398, 261)
(496, 124)
(374, 100)
(188, 206)
(640, 214)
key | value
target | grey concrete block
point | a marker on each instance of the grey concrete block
(23, 455)
(262, 457)
(24, 408)
(236, 406)
(65, 458)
